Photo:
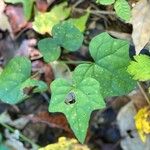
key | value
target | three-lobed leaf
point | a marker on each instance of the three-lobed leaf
(140, 68)
(77, 101)
(111, 59)
(27, 6)
(15, 79)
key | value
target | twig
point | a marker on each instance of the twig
(75, 62)
(144, 93)
(35, 75)
(24, 138)
(67, 61)
(77, 3)
(120, 35)
(37, 57)
(95, 12)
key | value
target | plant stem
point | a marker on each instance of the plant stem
(75, 62)
(24, 138)
(143, 92)
(95, 12)
(67, 61)
(35, 75)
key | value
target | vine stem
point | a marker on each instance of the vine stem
(24, 138)
(143, 92)
(66, 61)
(75, 62)
(95, 12)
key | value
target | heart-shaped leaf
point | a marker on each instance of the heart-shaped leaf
(67, 36)
(49, 49)
(15, 79)
(111, 58)
(77, 101)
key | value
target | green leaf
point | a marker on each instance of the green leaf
(44, 22)
(3, 147)
(105, 2)
(76, 101)
(15, 79)
(27, 6)
(65, 35)
(68, 36)
(80, 22)
(49, 49)
(111, 58)
(123, 9)
(140, 68)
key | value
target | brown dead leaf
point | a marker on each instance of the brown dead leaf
(56, 121)
(4, 23)
(141, 24)
(16, 18)
(41, 5)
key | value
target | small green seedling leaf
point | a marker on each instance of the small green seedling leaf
(123, 9)
(80, 22)
(49, 49)
(111, 58)
(105, 2)
(27, 6)
(15, 79)
(67, 36)
(44, 22)
(76, 101)
(140, 68)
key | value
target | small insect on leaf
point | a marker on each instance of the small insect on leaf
(70, 98)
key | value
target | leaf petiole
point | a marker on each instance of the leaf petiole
(76, 62)
(24, 138)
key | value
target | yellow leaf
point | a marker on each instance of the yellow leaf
(80, 22)
(65, 144)
(44, 22)
(142, 122)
